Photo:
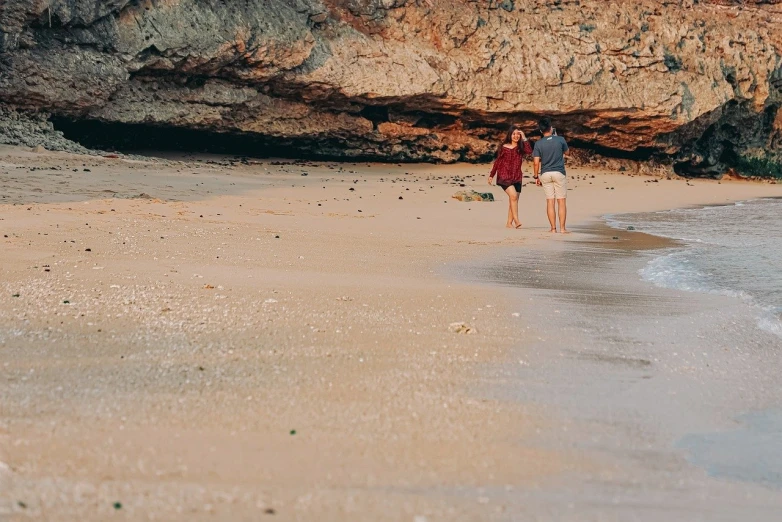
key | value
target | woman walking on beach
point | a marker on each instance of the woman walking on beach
(507, 168)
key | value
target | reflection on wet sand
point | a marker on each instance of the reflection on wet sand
(629, 369)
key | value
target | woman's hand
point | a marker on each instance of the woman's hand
(489, 180)
(523, 136)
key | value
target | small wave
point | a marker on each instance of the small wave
(771, 325)
(771, 321)
(677, 272)
(671, 271)
(724, 252)
(674, 272)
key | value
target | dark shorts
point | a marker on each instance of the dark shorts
(517, 186)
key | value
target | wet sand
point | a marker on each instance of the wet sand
(235, 340)
(673, 393)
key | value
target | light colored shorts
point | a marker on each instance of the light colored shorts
(554, 185)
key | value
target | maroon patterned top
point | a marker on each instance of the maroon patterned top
(507, 166)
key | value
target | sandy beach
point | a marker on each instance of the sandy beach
(216, 338)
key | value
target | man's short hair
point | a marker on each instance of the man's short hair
(544, 124)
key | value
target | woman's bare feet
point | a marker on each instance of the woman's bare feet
(553, 231)
(564, 231)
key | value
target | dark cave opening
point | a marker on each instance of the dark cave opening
(433, 120)
(143, 139)
(640, 154)
(375, 114)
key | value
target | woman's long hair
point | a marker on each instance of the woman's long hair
(509, 139)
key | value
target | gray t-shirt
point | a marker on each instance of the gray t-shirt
(551, 151)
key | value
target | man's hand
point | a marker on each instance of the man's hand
(536, 170)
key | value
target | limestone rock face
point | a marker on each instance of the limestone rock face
(699, 82)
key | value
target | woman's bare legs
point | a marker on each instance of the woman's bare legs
(513, 208)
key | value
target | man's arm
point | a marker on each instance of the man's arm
(536, 169)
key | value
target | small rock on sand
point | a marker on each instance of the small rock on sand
(462, 328)
(471, 195)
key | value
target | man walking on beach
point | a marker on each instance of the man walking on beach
(549, 172)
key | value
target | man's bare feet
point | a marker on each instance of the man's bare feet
(564, 231)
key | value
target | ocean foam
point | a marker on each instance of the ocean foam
(730, 250)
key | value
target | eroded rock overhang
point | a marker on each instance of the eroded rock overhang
(698, 83)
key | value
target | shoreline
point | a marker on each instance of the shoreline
(661, 390)
(219, 309)
(762, 299)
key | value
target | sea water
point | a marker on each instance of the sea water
(733, 250)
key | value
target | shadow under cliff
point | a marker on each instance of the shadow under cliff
(708, 147)
(125, 137)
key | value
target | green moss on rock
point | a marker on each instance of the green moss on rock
(761, 167)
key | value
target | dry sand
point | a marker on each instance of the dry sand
(212, 339)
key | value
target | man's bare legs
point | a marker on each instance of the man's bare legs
(562, 204)
(551, 211)
(554, 207)
(513, 207)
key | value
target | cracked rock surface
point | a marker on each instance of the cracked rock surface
(425, 80)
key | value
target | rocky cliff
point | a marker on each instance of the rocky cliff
(696, 81)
